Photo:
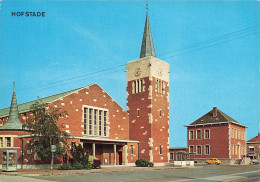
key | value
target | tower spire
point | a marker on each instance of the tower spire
(147, 48)
(13, 121)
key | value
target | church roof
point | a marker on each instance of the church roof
(26, 106)
(219, 118)
(147, 48)
(13, 121)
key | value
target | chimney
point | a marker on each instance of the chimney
(215, 112)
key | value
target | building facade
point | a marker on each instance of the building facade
(98, 123)
(216, 135)
(148, 101)
(253, 147)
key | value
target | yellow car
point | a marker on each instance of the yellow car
(213, 161)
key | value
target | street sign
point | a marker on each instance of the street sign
(53, 148)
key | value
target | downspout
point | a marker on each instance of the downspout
(22, 155)
(138, 150)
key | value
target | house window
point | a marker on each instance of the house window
(171, 156)
(236, 149)
(207, 149)
(206, 134)
(138, 112)
(235, 133)
(198, 136)
(238, 134)
(241, 136)
(232, 149)
(160, 112)
(251, 148)
(160, 151)
(191, 135)
(96, 121)
(132, 149)
(198, 150)
(8, 141)
(1, 142)
(191, 149)
(232, 133)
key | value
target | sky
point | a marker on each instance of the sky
(213, 48)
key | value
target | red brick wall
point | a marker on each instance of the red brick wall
(237, 141)
(93, 96)
(141, 129)
(219, 141)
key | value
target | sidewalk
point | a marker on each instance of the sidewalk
(104, 169)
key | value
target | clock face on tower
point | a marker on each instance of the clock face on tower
(160, 73)
(137, 72)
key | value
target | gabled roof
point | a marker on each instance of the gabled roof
(13, 122)
(26, 106)
(208, 118)
(255, 139)
(147, 48)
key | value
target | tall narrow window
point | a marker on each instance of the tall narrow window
(132, 149)
(105, 123)
(198, 134)
(95, 122)
(85, 120)
(8, 141)
(207, 149)
(99, 122)
(233, 149)
(90, 121)
(235, 133)
(138, 112)
(191, 135)
(198, 150)
(160, 150)
(232, 133)
(1, 142)
(160, 112)
(206, 134)
(238, 134)
(191, 149)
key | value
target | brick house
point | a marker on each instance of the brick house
(98, 123)
(216, 135)
(253, 147)
(178, 154)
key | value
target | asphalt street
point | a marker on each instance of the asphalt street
(203, 173)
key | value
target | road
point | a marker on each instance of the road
(204, 173)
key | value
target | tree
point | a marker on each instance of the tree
(46, 130)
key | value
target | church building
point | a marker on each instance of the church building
(98, 123)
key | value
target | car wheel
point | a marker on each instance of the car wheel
(216, 163)
(207, 163)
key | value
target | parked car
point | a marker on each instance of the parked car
(213, 161)
(255, 161)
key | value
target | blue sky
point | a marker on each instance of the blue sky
(213, 48)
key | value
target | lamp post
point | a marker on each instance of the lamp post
(53, 150)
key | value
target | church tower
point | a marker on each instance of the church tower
(148, 101)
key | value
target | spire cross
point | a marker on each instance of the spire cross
(14, 84)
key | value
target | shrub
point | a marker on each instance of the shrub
(150, 164)
(91, 159)
(88, 166)
(77, 165)
(141, 163)
(96, 164)
(64, 167)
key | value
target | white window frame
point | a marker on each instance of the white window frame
(200, 149)
(197, 134)
(104, 121)
(205, 133)
(190, 134)
(205, 147)
(193, 149)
